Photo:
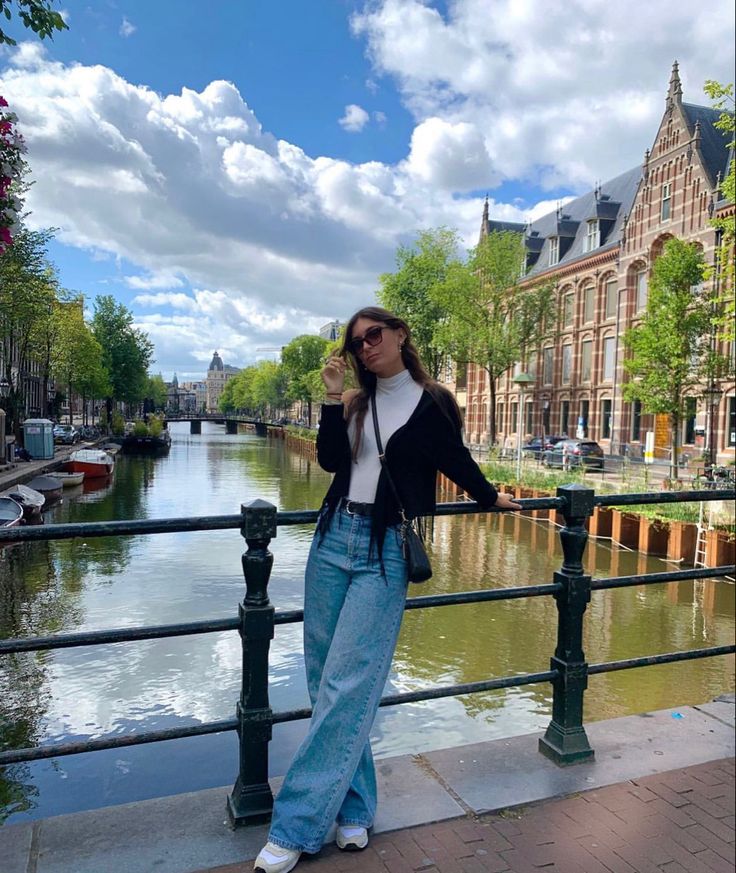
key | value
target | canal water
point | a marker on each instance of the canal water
(78, 585)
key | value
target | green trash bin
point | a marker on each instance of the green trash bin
(38, 438)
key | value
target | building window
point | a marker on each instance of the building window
(689, 423)
(636, 421)
(583, 419)
(514, 417)
(566, 364)
(732, 421)
(567, 310)
(547, 364)
(529, 412)
(586, 363)
(564, 416)
(593, 236)
(641, 290)
(666, 201)
(499, 418)
(588, 303)
(605, 419)
(611, 298)
(554, 250)
(609, 362)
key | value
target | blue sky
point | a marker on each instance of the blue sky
(241, 172)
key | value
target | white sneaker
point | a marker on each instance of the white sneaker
(351, 838)
(275, 859)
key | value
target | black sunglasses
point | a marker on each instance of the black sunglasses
(372, 337)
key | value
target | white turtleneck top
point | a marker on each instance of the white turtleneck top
(396, 398)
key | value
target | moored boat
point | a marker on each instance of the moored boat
(69, 480)
(49, 486)
(147, 445)
(11, 512)
(94, 463)
(30, 500)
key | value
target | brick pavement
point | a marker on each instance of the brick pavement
(681, 821)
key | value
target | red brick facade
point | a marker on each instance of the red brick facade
(601, 294)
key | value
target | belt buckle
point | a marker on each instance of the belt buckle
(347, 508)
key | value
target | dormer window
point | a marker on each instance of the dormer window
(666, 201)
(554, 250)
(593, 236)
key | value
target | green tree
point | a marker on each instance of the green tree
(413, 292)
(268, 387)
(301, 359)
(127, 351)
(156, 391)
(669, 352)
(725, 316)
(77, 357)
(36, 15)
(26, 300)
(490, 319)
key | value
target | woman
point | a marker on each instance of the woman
(356, 576)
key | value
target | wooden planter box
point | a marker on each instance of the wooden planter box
(600, 523)
(682, 540)
(520, 494)
(720, 549)
(541, 513)
(625, 528)
(653, 536)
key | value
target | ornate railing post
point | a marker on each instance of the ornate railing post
(565, 740)
(251, 799)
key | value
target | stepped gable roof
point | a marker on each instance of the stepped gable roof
(714, 143)
(617, 193)
(216, 362)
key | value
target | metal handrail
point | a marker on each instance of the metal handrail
(565, 740)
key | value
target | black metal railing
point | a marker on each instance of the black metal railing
(565, 740)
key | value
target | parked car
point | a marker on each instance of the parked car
(539, 444)
(66, 433)
(574, 453)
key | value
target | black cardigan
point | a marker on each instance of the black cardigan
(429, 441)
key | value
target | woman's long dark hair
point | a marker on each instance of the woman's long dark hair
(367, 380)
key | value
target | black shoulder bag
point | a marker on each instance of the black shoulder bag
(417, 560)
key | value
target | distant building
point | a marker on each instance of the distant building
(199, 390)
(331, 330)
(217, 375)
(179, 398)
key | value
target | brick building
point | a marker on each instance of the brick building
(598, 249)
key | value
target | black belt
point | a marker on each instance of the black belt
(354, 508)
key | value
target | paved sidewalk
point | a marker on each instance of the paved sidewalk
(680, 821)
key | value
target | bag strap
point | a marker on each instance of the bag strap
(382, 459)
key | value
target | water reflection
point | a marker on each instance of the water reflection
(78, 585)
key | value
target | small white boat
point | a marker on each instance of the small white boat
(11, 512)
(94, 463)
(30, 500)
(69, 480)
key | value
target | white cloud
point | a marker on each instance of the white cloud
(563, 96)
(153, 281)
(354, 119)
(379, 118)
(126, 28)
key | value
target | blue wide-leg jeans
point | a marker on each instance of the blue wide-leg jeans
(352, 616)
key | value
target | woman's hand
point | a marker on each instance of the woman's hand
(504, 501)
(333, 375)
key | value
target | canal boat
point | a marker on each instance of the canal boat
(30, 500)
(69, 480)
(94, 463)
(49, 486)
(11, 512)
(146, 445)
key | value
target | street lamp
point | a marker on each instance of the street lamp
(712, 396)
(522, 380)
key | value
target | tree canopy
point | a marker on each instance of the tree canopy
(36, 15)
